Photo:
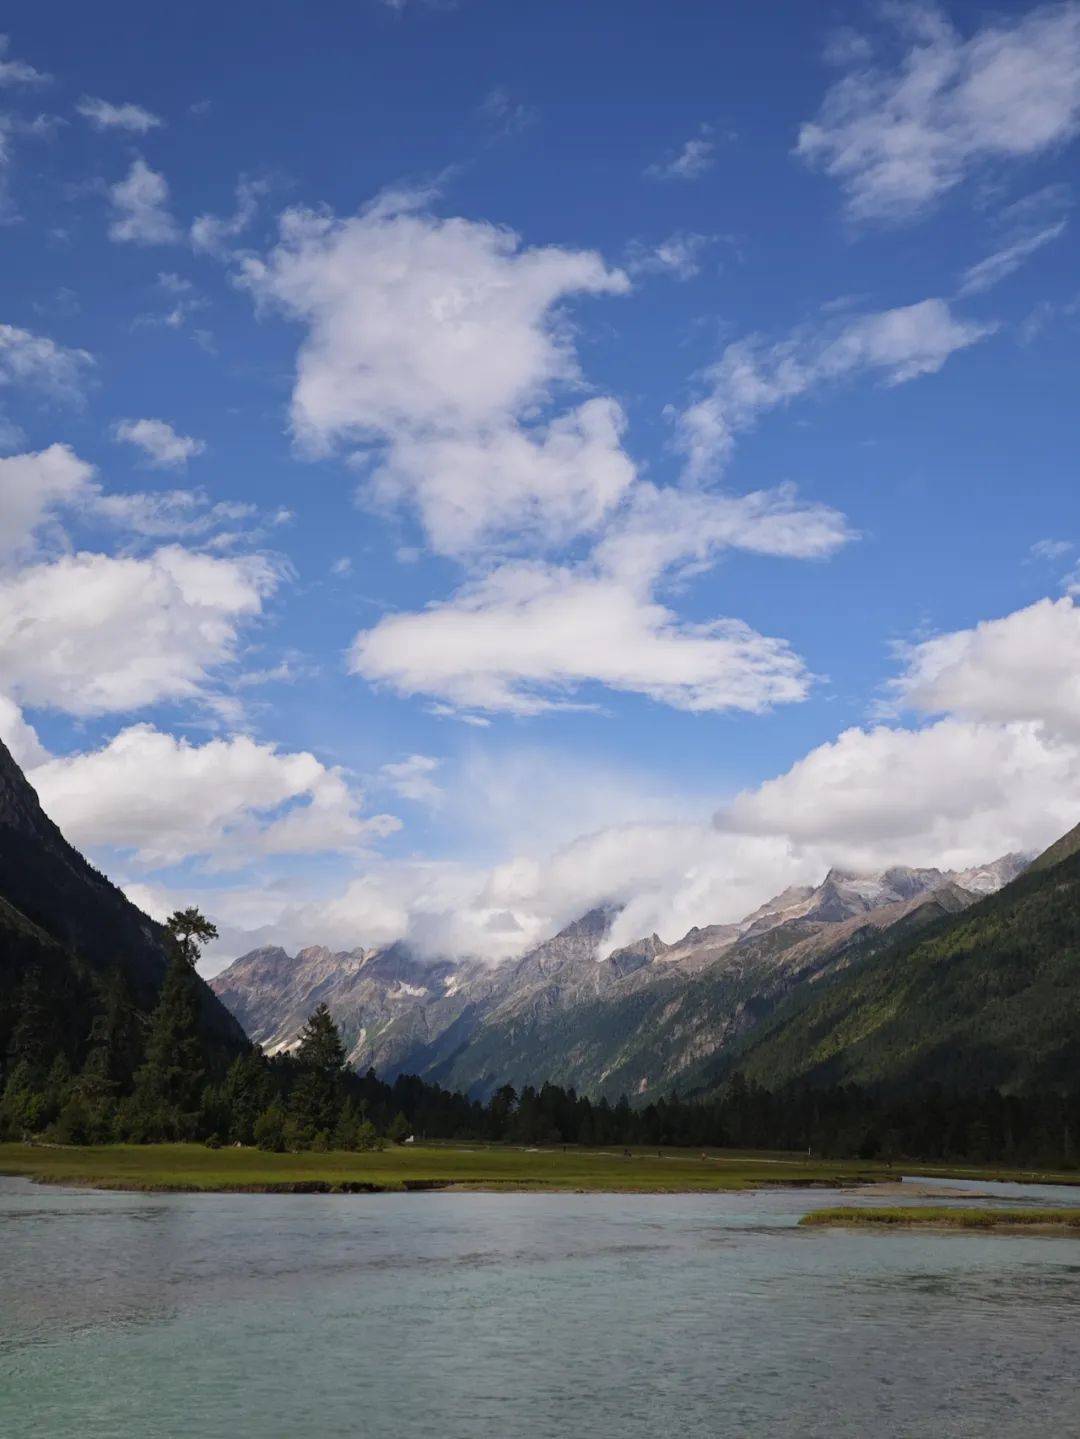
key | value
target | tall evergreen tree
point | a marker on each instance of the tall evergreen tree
(168, 1088)
(319, 1089)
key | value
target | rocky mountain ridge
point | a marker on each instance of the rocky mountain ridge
(638, 1018)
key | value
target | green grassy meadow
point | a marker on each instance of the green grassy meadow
(939, 1216)
(194, 1167)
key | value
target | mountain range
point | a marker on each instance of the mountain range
(640, 1020)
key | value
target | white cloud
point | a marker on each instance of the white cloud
(18, 72)
(91, 634)
(164, 513)
(33, 487)
(211, 233)
(524, 639)
(1050, 549)
(1025, 666)
(103, 115)
(417, 324)
(140, 205)
(953, 794)
(678, 255)
(690, 162)
(166, 800)
(897, 139)
(661, 528)
(751, 377)
(505, 113)
(1003, 262)
(37, 361)
(411, 778)
(19, 736)
(512, 485)
(1001, 775)
(1025, 227)
(162, 446)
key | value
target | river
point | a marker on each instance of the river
(474, 1316)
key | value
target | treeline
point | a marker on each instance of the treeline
(144, 1080)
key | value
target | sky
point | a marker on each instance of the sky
(461, 463)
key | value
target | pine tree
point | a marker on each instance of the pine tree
(247, 1091)
(317, 1095)
(115, 1043)
(168, 1088)
(399, 1130)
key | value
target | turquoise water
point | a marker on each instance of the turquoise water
(470, 1316)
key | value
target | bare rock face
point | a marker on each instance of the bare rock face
(638, 1019)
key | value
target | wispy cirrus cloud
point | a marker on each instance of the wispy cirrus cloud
(694, 158)
(1025, 227)
(18, 72)
(753, 376)
(128, 118)
(899, 135)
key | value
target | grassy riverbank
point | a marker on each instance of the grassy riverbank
(939, 1216)
(194, 1167)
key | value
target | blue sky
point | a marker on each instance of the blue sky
(465, 462)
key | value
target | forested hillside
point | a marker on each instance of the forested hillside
(82, 971)
(989, 997)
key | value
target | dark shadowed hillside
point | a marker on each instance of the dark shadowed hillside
(63, 926)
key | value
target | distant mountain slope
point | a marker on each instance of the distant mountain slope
(989, 997)
(62, 919)
(640, 1020)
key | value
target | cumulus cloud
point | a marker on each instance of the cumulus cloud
(440, 346)
(524, 487)
(19, 735)
(526, 637)
(1000, 773)
(954, 793)
(140, 206)
(40, 363)
(33, 487)
(40, 492)
(163, 447)
(751, 376)
(897, 138)
(690, 161)
(1025, 666)
(164, 800)
(416, 324)
(91, 634)
(103, 115)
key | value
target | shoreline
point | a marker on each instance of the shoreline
(475, 1168)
